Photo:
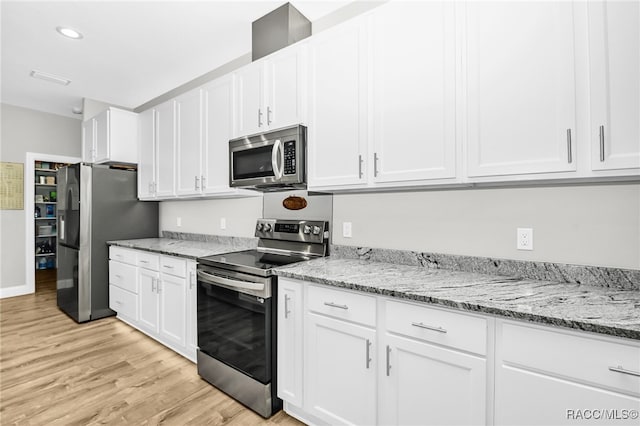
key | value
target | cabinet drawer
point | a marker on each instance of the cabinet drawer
(173, 265)
(583, 358)
(123, 275)
(440, 326)
(122, 255)
(123, 302)
(148, 260)
(342, 304)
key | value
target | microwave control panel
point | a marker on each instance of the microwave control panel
(290, 158)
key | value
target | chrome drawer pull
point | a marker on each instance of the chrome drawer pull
(619, 369)
(286, 306)
(167, 266)
(335, 305)
(388, 362)
(428, 327)
(144, 261)
(601, 143)
(368, 359)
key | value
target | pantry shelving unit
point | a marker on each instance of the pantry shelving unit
(45, 214)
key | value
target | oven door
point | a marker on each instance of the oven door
(235, 321)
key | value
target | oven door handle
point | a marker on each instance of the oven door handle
(277, 154)
(216, 279)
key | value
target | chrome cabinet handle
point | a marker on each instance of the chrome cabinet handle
(143, 261)
(150, 187)
(202, 178)
(286, 306)
(259, 118)
(375, 164)
(360, 166)
(192, 276)
(388, 361)
(334, 305)
(428, 327)
(368, 362)
(118, 276)
(569, 156)
(197, 182)
(619, 369)
(118, 302)
(268, 116)
(167, 266)
(601, 143)
(153, 285)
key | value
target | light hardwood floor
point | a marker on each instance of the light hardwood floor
(54, 371)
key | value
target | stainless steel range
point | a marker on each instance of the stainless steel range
(237, 310)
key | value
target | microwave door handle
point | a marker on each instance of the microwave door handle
(277, 153)
(215, 279)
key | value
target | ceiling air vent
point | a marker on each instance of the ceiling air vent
(277, 29)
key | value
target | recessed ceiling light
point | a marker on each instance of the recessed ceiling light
(69, 32)
(50, 77)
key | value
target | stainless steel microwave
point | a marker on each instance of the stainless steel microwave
(270, 161)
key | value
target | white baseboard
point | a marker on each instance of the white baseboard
(18, 290)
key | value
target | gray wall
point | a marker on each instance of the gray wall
(25, 130)
(587, 225)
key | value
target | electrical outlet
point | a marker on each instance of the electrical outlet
(178, 221)
(346, 229)
(524, 238)
(223, 223)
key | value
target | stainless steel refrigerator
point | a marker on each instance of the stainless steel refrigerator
(96, 204)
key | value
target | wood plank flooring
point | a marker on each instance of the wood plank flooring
(56, 372)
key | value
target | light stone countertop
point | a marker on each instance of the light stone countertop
(185, 248)
(614, 312)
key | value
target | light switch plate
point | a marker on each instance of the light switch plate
(346, 229)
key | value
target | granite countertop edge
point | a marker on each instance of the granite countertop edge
(472, 307)
(181, 248)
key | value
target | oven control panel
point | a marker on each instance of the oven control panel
(311, 231)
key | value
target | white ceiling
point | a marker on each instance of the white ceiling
(132, 51)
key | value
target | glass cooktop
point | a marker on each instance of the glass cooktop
(250, 261)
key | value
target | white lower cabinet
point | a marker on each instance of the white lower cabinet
(550, 376)
(357, 366)
(163, 305)
(340, 371)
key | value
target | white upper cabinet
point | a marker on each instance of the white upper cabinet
(147, 154)
(111, 137)
(270, 92)
(218, 126)
(614, 43)
(414, 77)
(165, 149)
(338, 114)
(189, 142)
(520, 88)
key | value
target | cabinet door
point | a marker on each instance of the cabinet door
(249, 86)
(414, 91)
(147, 154)
(102, 136)
(173, 310)
(148, 299)
(284, 87)
(338, 115)
(188, 142)
(526, 397)
(218, 126)
(340, 371)
(88, 140)
(520, 88)
(615, 84)
(192, 311)
(423, 384)
(165, 145)
(290, 344)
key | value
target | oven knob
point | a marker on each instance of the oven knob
(267, 227)
(306, 229)
(259, 227)
(316, 230)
